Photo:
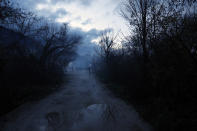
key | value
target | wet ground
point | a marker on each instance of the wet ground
(81, 105)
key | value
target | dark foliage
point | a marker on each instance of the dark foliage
(160, 82)
(33, 56)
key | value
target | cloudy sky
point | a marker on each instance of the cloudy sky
(87, 17)
(84, 14)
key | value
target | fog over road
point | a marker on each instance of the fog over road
(81, 105)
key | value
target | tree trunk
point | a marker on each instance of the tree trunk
(144, 30)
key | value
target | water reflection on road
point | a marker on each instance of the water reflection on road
(82, 105)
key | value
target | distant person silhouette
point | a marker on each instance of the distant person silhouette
(90, 68)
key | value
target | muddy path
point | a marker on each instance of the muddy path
(81, 105)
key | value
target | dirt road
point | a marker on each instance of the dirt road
(81, 105)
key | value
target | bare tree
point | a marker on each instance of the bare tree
(136, 12)
(57, 43)
(27, 23)
(148, 18)
(107, 42)
(7, 11)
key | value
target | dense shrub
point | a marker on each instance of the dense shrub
(33, 56)
(162, 89)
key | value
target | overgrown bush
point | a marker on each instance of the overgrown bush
(160, 82)
(33, 56)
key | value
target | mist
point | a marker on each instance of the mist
(98, 65)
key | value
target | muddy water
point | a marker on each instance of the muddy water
(82, 105)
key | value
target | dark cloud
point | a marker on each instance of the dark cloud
(88, 47)
(57, 1)
(82, 2)
(61, 11)
(86, 2)
(86, 50)
(31, 4)
(27, 4)
(53, 15)
(89, 35)
(88, 21)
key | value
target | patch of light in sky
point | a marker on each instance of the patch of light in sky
(101, 13)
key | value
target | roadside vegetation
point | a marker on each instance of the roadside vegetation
(34, 53)
(154, 69)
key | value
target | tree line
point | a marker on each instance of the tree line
(155, 67)
(34, 53)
